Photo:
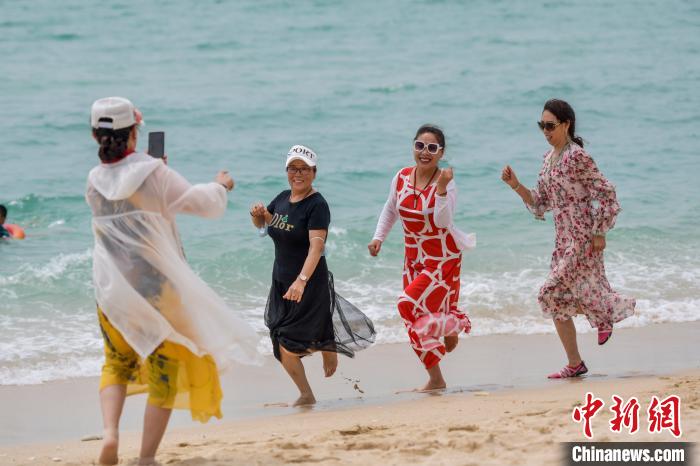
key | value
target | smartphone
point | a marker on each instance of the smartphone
(156, 144)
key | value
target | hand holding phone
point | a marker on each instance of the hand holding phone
(156, 144)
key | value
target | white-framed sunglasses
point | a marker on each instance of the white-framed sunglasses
(431, 147)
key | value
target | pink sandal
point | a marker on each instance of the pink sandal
(568, 371)
(604, 334)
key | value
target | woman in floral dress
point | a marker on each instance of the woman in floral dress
(424, 197)
(584, 207)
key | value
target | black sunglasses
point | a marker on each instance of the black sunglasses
(547, 125)
(302, 170)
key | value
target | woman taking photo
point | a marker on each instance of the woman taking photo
(584, 207)
(424, 197)
(303, 312)
(165, 331)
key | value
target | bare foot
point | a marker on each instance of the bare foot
(148, 462)
(305, 400)
(110, 447)
(451, 342)
(330, 362)
(434, 385)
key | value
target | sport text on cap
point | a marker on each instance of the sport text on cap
(303, 153)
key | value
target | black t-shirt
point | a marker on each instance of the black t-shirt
(289, 229)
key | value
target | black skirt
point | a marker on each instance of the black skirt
(322, 321)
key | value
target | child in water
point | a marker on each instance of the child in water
(3, 215)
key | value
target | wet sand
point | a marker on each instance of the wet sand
(498, 404)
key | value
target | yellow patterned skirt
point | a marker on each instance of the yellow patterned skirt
(172, 375)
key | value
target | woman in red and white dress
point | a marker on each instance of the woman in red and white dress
(424, 198)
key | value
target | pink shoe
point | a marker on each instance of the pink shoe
(604, 334)
(568, 371)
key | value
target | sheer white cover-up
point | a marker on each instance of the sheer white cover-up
(142, 282)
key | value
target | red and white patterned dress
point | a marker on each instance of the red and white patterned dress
(433, 258)
(583, 202)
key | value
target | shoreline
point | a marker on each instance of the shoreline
(380, 375)
(515, 427)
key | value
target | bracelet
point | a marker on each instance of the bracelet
(516, 188)
(225, 187)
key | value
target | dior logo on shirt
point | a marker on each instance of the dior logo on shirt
(280, 222)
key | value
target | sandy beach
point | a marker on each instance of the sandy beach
(234, 85)
(498, 409)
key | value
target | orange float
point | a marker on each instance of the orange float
(16, 231)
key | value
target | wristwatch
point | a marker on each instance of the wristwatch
(303, 277)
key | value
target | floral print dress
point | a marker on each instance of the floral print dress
(583, 203)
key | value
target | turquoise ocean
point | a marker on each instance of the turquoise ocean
(235, 84)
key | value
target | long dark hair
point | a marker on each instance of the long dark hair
(563, 111)
(428, 128)
(113, 143)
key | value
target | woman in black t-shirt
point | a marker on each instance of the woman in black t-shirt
(303, 313)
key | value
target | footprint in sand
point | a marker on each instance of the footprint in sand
(293, 446)
(358, 429)
(435, 391)
(367, 446)
(467, 428)
(244, 442)
(427, 451)
(311, 459)
(280, 404)
(471, 446)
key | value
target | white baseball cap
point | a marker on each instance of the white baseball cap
(303, 153)
(115, 113)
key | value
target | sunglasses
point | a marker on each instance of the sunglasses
(432, 147)
(547, 125)
(302, 170)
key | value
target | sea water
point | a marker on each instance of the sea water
(235, 84)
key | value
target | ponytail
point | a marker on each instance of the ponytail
(113, 143)
(577, 139)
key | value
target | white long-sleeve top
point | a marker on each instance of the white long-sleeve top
(443, 215)
(142, 282)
